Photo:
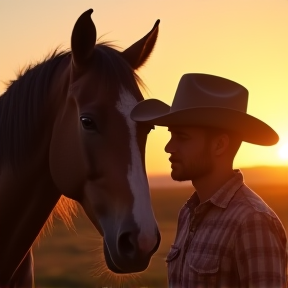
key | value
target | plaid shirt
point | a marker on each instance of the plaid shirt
(232, 240)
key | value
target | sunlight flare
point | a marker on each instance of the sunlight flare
(283, 152)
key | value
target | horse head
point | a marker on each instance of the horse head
(97, 153)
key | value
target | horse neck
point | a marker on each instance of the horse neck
(28, 195)
(25, 205)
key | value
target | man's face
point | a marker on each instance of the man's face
(190, 153)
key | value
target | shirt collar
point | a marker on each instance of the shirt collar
(224, 195)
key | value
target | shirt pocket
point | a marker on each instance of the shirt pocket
(172, 263)
(204, 270)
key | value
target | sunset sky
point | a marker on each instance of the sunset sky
(243, 40)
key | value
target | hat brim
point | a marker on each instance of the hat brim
(249, 128)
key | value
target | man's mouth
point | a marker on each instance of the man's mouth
(173, 160)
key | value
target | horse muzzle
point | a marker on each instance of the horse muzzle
(127, 256)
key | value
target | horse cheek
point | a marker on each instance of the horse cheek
(66, 157)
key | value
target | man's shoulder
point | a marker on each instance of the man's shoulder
(251, 202)
(250, 209)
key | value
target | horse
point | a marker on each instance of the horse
(66, 137)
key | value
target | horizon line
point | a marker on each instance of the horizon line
(243, 167)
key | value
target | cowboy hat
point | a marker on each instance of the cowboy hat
(207, 100)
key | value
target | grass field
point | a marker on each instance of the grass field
(71, 259)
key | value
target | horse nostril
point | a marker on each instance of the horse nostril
(126, 244)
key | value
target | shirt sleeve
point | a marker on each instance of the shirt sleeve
(261, 253)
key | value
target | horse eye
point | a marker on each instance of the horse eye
(87, 123)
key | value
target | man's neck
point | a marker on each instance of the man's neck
(207, 186)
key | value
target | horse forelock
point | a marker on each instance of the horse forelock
(111, 67)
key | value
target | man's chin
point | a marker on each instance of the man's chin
(178, 177)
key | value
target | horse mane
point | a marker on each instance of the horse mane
(23, 103)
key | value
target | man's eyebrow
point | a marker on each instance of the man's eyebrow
(170, 129)
(173, 129)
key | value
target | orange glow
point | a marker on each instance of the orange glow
(242, 40)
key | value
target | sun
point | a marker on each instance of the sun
(283, 152)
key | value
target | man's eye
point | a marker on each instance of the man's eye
(146, 127)
(149, 128)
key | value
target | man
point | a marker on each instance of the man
(227, 236)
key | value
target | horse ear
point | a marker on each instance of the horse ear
(83, 39)
(137, 54)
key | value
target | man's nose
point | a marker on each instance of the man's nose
(169, 148)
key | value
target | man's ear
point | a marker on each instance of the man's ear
(220, 144)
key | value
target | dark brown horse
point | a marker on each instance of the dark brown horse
(65, 130)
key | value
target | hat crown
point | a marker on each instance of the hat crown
(203, 90)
